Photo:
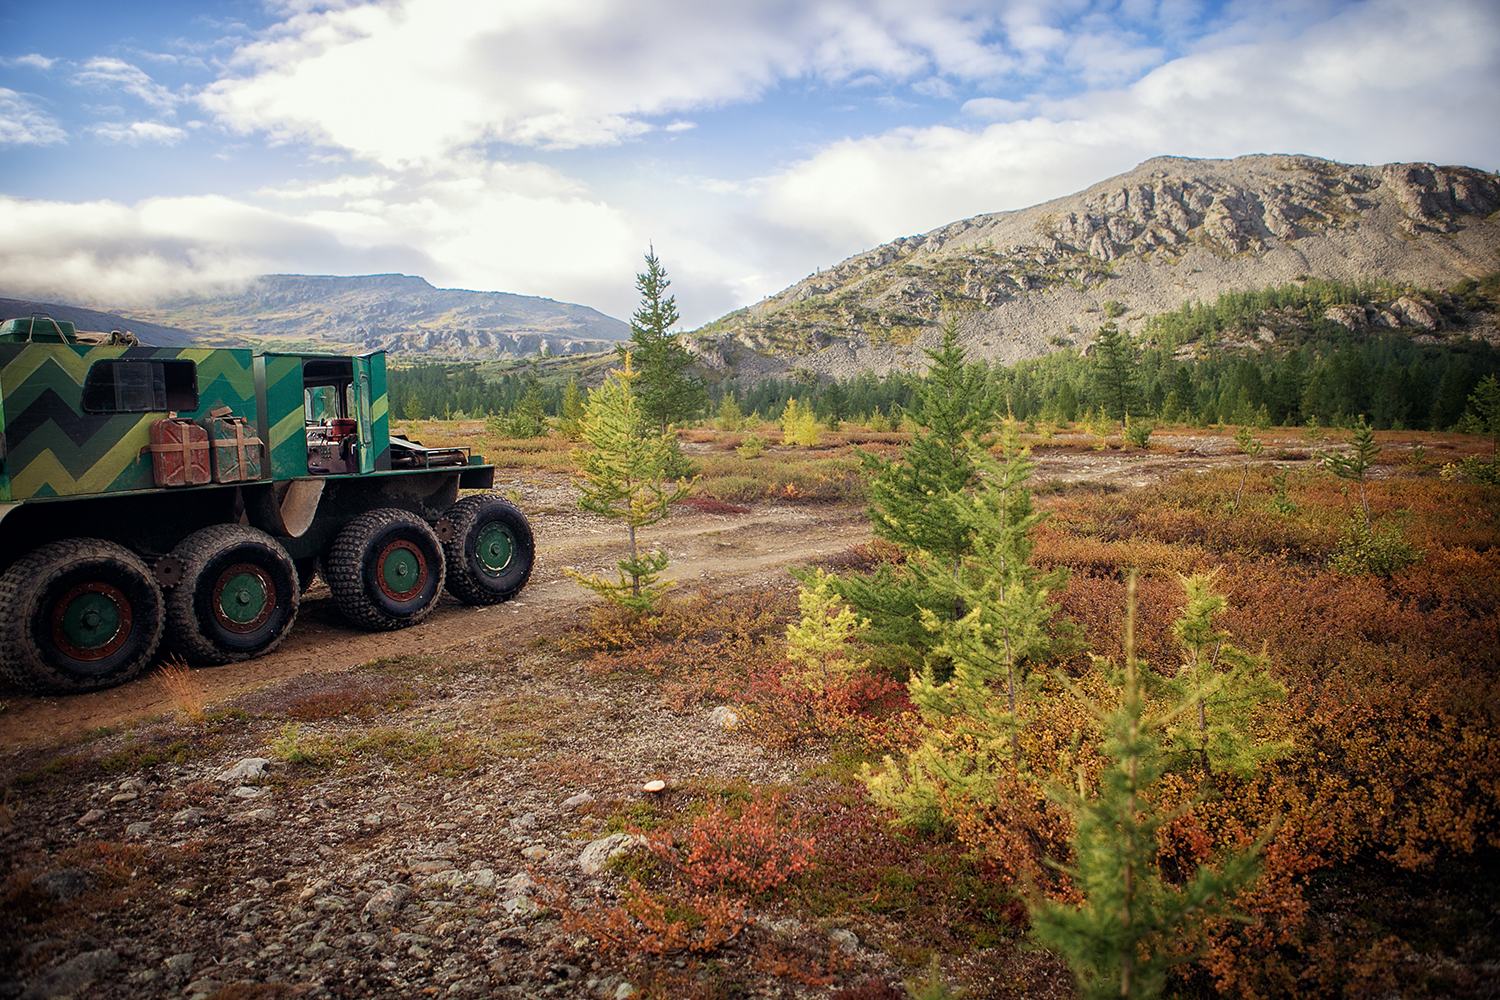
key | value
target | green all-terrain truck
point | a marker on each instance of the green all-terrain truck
(181, 499)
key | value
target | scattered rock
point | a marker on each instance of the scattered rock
(844, 940)
(386, 903)
(64, 884)
(250, 767)
(141, 829)
(654, 787)
(430, 867)
(91, 817)
(180, 965)
(575, 801)
(599, 853)
(73, 975)
(253, 816)
(125, 797)
(525, 822)
(625, 991)
(536, 852)
(248, 792)
(724, 717)
(191, 816)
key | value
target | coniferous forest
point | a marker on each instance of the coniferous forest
(1263, 358)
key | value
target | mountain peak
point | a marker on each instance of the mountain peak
(1172, 230)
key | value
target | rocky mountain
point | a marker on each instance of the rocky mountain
(1173, 230)
(393, 312)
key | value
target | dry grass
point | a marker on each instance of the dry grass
(178, 681)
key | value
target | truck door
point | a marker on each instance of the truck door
(362, 394)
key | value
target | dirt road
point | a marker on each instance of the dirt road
(728, 549)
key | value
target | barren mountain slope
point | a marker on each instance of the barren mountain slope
(1170, 231)
(393, 312)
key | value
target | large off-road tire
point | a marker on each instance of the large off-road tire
(78, 615)
(238, 596)
(490, 551)
(385, 570)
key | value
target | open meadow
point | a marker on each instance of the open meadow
(463, 809)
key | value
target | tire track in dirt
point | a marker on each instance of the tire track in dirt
(725, 550)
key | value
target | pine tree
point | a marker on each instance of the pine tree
(1249, 446)
(977, 712)
(1226, 688)
(913, 499)
(624, 478)
(818, 645)
(1132, 926)
(570, 422)
(1364, 451)
(667, 390)
(530, 417)
(1115, 372)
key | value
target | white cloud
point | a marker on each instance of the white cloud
(33, 60)
(407, 82)
(996, 108)
(116, 74)
(1331, 92)
(137, 133)
(24, 124)
(521, 228)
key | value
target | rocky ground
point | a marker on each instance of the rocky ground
(415, 815)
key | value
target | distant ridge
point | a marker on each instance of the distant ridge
(393, 312)
(101, 322)
(1173, 230)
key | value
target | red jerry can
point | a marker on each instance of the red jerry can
(179, 453)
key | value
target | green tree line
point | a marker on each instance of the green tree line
(1317, 370)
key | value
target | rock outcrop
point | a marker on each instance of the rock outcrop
(1172, 230)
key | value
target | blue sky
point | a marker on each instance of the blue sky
(539, 146)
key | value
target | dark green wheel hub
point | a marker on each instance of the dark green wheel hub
(244, 597)
(402, 571)
(91, 621)
(495, 549)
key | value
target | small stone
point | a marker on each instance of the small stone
(90, 817)
(125, 797)
(181, 964)
(535, 852)
(845, 941)
(190, 816)
(250, 767)
(625, 991)
(316, 950)
(526, 822)
(253, 816)
(598, 853)
(724, 717)
(573, 802)
(201, 988)
(140, 829)
(73, 975)
(654, 786)
(386, 903)
(248, 792)
(307, 894)
(430, 867)
(65, 883)
(520, 906)
(519, 884)
(484, 878)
